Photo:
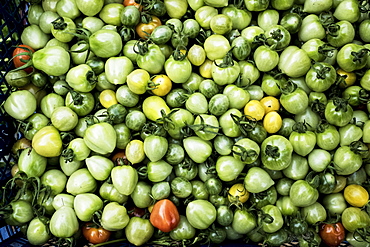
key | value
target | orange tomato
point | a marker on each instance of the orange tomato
(145, 29)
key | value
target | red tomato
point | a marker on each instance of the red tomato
(94, 234)
(134, 3)
(21, 60)
(164, 215)
(332, 234)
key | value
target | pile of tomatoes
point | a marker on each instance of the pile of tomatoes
(181, 122)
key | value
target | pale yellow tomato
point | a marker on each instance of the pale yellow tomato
(107, 98)
(205, 70)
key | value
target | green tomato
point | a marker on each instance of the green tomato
(53, 60)
(81, 78)
(181, 187)
(81, 181)
(298, 168)
(117, 69)
(37, 232)
(314, 213)
(294, 62)
(108, 192)
(64, 222)
(55, 179)
(20, 104)
(303, 194)
(86, 204)
(216, 47)
(114, 217)
(161, 190)
(139, 230)
(228, 168)
(286, 206)
(184, 230)
(311, 28)
(100, 167)
(200, 213)
(105, 43)
(101, 138)
(347, 160)
(31, 163)
(141, 195)
(352, 56)
(63, 199)
(34, 37)
(276, 152)
(124, 179)
(257, 180)
(198, 149)
(354, 218)
(243, 221)
(155, 147)
(277, 219)
(158, 170)
(303, 141)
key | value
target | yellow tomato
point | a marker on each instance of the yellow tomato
(107, 98)
(272, 122)
(238, 193)
(356, 195)
(163, 85)
(349, 78)
(205, 70)
(254, 109)
(270, 103)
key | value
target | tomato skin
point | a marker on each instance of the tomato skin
(95, 235)
(164, 215)
(332, 234)
(20, 60)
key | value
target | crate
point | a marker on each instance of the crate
(13, 17)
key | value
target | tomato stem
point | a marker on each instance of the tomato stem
(59, 23)
(272, 151)
(244, 153)
(360, 55)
